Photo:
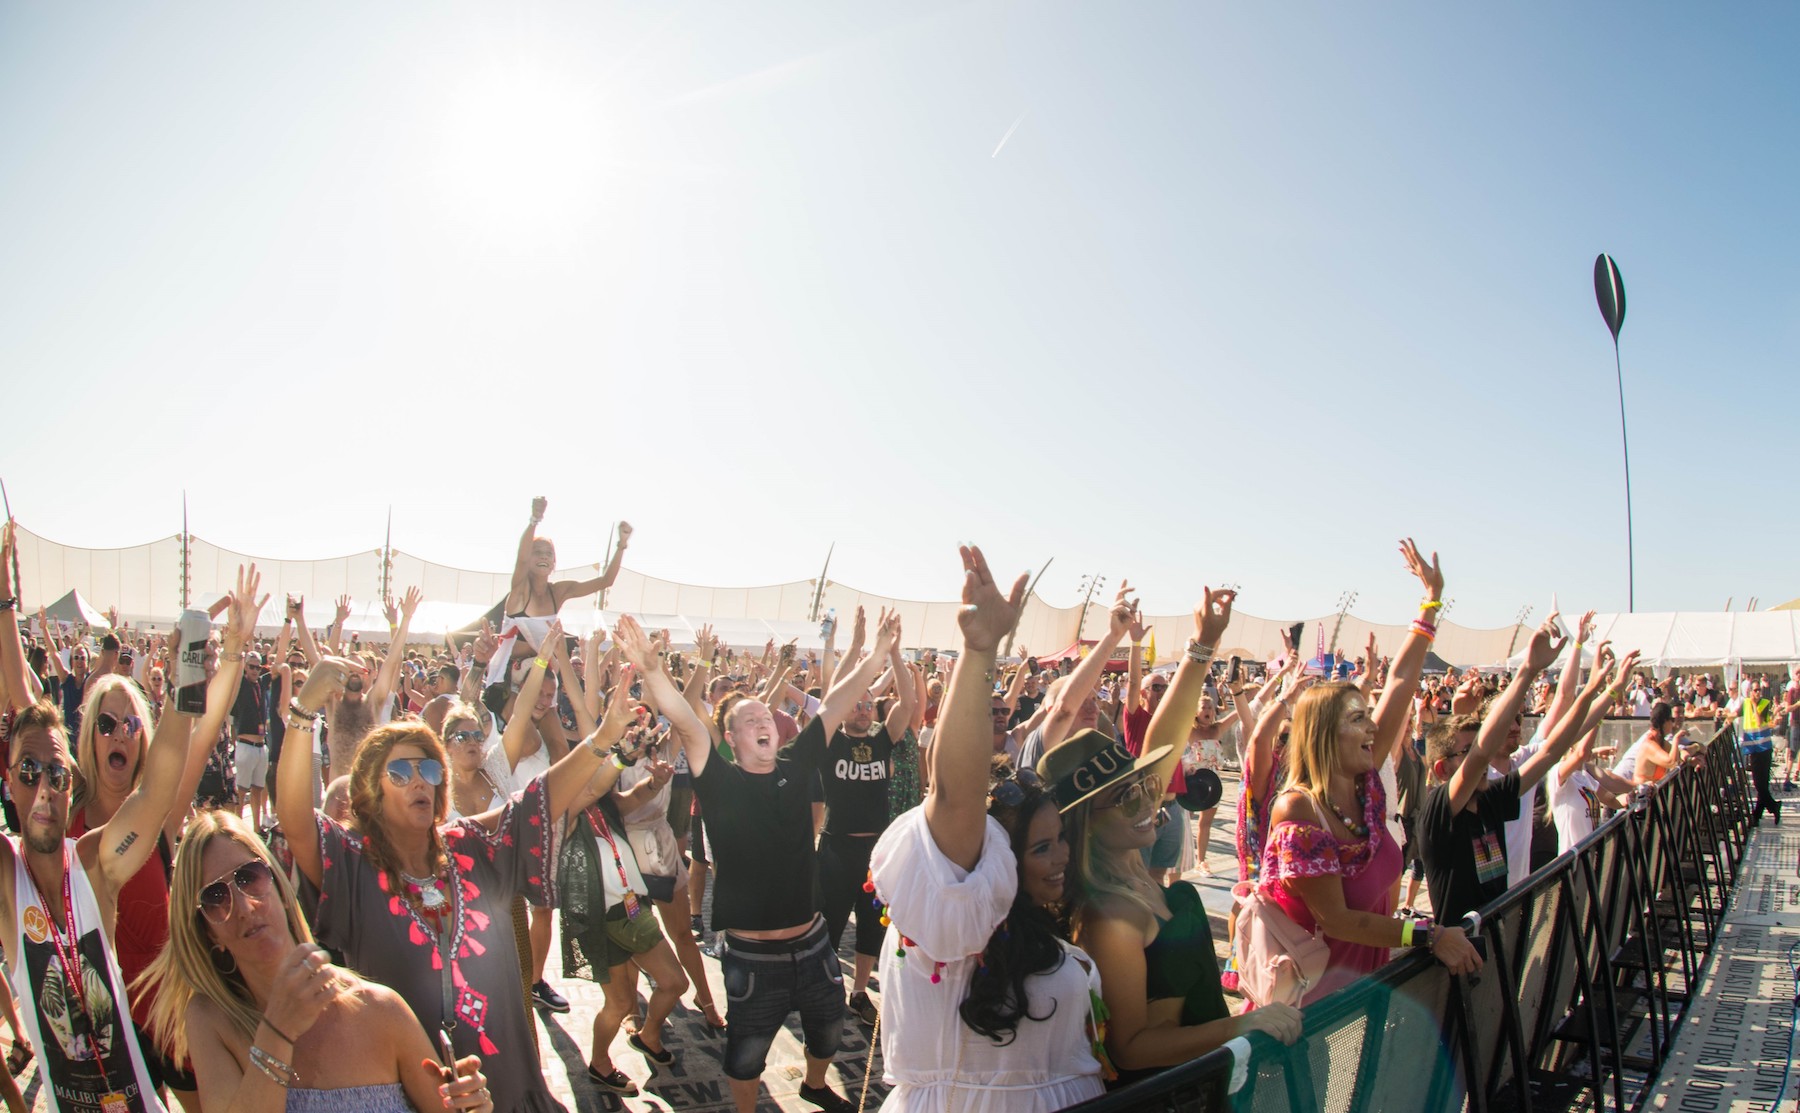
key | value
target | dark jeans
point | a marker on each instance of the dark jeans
(764, 982)
(1761, 763)
(843, 868)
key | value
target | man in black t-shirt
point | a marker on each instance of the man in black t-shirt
(775, 951)
(856, 769)
(1462, 823)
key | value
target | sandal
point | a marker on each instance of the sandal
(18, 1057)
(616, 1081)
(709, 1015)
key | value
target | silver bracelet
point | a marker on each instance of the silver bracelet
(1197, 653)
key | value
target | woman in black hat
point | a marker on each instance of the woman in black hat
(984, 1008)
(1158, 965)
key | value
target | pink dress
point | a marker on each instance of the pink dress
(1368, 870)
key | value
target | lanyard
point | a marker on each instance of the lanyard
(604, 829)
(67, 954)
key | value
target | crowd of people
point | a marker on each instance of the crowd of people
(325, 877)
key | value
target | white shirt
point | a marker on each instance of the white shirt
(1571, 804)
(1518, 831)
(934, 1061)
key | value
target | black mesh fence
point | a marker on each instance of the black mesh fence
(1590, 965)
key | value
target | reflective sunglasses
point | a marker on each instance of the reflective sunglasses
(31, 770)
(107, 725)
(354, 684)
(1009, 792)
(464, 736)
(402, 770)
(253, 879)
(1147, 792)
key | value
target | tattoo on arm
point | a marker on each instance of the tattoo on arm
(125, 843)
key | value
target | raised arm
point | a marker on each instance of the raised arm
(519, 727)
(564, 590)
(518, 593)
(296, 613)
(1175, 714)
(590, 769)
(634, 646)
(1570, 683)
(1086, 676)
(383, 688)
(840, 700)
(1372, 672)
(1569, 729)
(900, 716)
(221, 693)
(961, 748)
(334, 634)
(13, 670)
(294, 774)
(1471, 774)
(1403, 677)
(576, 689)
(1134, 685)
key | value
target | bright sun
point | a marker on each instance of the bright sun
(520, 157)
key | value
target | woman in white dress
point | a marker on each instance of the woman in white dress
(985, 1008)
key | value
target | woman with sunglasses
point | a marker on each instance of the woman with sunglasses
(116, 722)
(270, 1024)
(423, 904)
(473, 790)
(984, 1008)
(1154, 946)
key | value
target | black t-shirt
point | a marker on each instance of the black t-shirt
(759, 832)
(247, 709)
(856, 772)
(1465, 853)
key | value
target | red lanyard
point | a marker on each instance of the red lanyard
(68, 953)
(598, 822)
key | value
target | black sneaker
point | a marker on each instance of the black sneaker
(697, 925)
(863, 1008)
(548, 999)
(827, 1099)
(616, 1082)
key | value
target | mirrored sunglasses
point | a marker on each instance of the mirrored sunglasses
(1010, 791)
(253, 879)
(31, 770)
(402, 770)
(107, 725)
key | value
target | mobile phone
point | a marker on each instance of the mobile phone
(787, 654)
(1237, 666)
(675, 662)
(1479, 942)
(447, 1054)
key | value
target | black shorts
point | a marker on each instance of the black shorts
(765, 983)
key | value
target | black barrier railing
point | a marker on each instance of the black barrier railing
(1592, 963)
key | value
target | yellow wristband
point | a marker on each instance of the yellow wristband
(1431, 604)
(541, 663)
(1406, 930)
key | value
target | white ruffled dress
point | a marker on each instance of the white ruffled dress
(935, 1062)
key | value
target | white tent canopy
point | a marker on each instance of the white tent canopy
(1688, 639)
(73, 610)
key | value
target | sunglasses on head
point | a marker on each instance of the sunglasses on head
(31, 770)
(402, 770)
(354, 684)
(253, 879)
(1009, 791)
(107, 724)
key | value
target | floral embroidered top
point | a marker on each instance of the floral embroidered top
(385, 939)
(1367, 868)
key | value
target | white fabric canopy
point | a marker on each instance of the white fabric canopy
(1686, 639)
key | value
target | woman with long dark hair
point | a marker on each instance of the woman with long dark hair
(984, 1007)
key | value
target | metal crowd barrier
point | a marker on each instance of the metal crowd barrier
(1591, 962)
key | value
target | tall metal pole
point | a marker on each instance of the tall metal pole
(387, 558)
(1006, 650)
(819, 591)
(1625, 444)
(186, 552)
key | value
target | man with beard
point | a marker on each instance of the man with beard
(363, 706)
(59, 896)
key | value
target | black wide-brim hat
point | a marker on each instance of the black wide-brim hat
(1090, 762)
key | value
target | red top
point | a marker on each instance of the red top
(141, 929)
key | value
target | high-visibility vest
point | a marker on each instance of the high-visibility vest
(1753, 719)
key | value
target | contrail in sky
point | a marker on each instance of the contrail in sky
(1009, 132)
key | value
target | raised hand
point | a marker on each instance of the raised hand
(624, 534)
(1119, 618)
(409, 603)
(986, 616)
(1213, 615)
(859, 627)
(1137, 627)
(326, 680)
(296, 608)
(1585, 631)
(1372, 655)
(635, 647)
(1431, 575)
(1544, 647)
(343, 610)
(538, 506)
(392, 613)
(9, 587)
(553, 647)
(245, 607)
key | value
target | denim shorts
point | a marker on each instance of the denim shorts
(765, 981)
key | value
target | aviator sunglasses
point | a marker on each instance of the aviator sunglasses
(402, 770)
(1009, 791)
(107, 724)
(31, 770)
(253, 879)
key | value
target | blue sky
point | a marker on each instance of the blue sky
(1249, 292)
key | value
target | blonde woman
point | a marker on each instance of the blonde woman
(1159, 969)
(270, 1024)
